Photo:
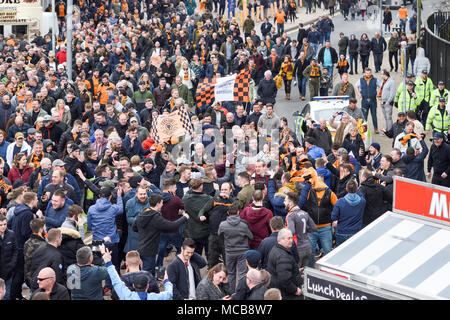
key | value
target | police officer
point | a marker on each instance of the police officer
(438, 118)
(408, 100)
(440, 91)
(424, 87)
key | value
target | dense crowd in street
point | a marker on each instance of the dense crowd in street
(92, 204)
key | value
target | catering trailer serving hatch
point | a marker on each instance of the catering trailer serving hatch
(404, 254)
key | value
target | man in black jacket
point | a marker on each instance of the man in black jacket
(375, 194)
(8, 254)
(322, 135)
(379, 45)
(184, 271)
(48, 284)
(396, 128)
(283, 267)
(276, 224)
(328, 49)
(216, 211)
(439, 160)
(48, 256)
(149, 224)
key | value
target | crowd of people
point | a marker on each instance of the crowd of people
(91, 203)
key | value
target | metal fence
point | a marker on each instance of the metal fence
(437, 46)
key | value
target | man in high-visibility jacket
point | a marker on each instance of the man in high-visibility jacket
(438, 118)
(409, 77)
(437, 93)
(408, 101)
(424, 87)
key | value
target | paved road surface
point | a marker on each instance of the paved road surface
(285, 108)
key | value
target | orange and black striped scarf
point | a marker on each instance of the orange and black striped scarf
(35, 159)
(344, 88)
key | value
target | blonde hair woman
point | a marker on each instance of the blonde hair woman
(63, 110)
(187, 75)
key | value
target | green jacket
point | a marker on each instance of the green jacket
(185, 93)
(435, 95)
(438, 120)
(423, 89)
(409, 102)
(248, 26)
(193, 203)
(245, 195)
(307, 71)
(393, 44)
(140, 97)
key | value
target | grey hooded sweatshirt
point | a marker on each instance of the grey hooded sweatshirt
(236, 234)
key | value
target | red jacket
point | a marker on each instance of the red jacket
(258, 220)
(14, 174)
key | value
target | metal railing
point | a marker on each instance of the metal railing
(437, 46)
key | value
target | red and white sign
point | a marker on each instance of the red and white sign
(424, 199)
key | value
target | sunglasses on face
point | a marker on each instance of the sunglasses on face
(42, 279)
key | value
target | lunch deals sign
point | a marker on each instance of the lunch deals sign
(423, 199)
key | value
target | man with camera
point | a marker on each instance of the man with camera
(101, 219)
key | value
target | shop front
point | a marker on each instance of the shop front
(20, 17)
(403, 255)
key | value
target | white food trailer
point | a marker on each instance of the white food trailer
(404, 254)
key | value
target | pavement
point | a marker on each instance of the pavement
(285, 108)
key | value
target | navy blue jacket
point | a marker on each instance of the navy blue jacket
(415, 164)
(8, 254)
(266, 246)
(20, 224)
(210, 71)
(178, 275)
(137, 148)
(326, 25)
(349, 211)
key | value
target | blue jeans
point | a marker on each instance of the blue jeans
(315, 46)
(341, 237)
(302, 86)
(370, 104)
(354, 60)
(8, 289)
(323, 235)
(403, 24)
(327, 35)
(164, 240)
(148, 263)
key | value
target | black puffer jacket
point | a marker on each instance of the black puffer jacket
(71, 242)
(284, 270)
(375, 195)
(353, 46)
(365, 46)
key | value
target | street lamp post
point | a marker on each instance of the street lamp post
(69, 24)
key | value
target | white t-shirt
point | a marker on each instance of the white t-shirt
(191, 282)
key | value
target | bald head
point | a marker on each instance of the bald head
(254, 277)
(46, 279)
(46, 163)
(47, 273)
